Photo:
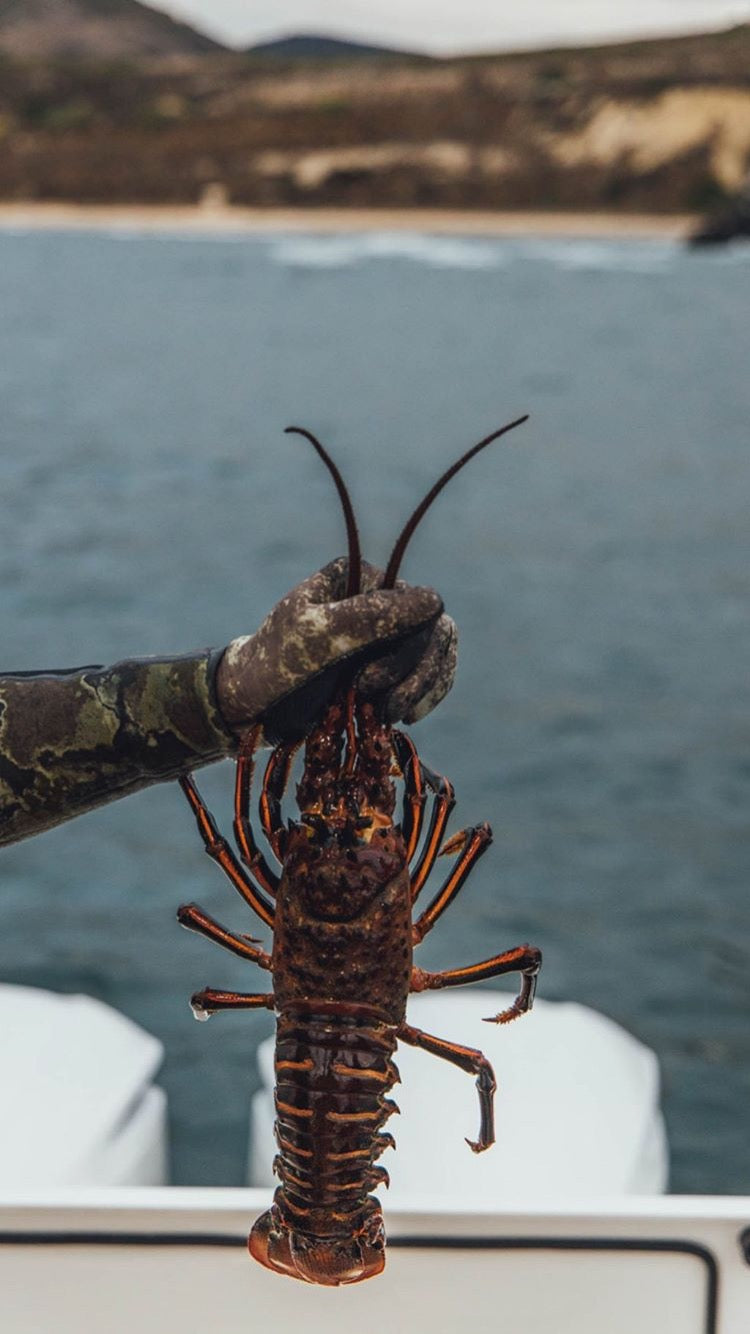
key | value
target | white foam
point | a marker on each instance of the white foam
(457, 252)
(341, 250)
(311, 250)
(629, 256)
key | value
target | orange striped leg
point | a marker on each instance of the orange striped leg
(218, 848)
(441, 809)
(525, 959)
(195, 919)
(466, 1058)
(275, 781)
(412, 814)
(207, 1002)
(243, 830)
(470, 844)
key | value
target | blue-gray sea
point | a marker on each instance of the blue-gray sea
(597, 563)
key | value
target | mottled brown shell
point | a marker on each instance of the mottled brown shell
(342, 959)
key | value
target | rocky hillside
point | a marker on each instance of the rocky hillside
(94, 29)
(655, 126)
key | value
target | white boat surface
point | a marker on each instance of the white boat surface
(174, 1261)
(563, 1228)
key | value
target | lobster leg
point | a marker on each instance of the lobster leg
(466, 1058)
(470, 844)
(441, 809)
(243, 830)
(195, 919)
(275, 780)
(525, 959)
(412, 813)
(207, 1002)
(218, 848)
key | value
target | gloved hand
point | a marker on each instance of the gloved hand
(397, 644)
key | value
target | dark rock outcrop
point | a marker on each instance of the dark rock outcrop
(726, 224)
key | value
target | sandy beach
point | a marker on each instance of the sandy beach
(212, 220)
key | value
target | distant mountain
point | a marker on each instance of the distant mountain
(319, 46)
(94, 30)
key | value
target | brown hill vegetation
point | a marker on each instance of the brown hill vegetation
(94, 30)
(655, 126)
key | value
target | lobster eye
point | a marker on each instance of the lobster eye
(316, 826)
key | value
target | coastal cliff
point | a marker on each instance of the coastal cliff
(649, 126)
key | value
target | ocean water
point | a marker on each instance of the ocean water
(597, 563)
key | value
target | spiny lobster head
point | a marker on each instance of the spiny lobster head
(345, 847)
(347, 783)
(359, 578)
(347, 796)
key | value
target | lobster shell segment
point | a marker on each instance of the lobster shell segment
(330, 1261)
(342, 962)
(333, 1068)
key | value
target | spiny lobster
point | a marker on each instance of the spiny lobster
(343, 936)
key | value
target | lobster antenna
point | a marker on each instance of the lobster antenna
(353, 582)
(397, 554)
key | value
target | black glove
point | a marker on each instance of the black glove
(396, 644)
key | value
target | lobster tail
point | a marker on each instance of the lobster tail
(332, 1073)
(330, 1261)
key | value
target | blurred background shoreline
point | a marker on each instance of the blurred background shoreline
(207, 220)
(123, 106)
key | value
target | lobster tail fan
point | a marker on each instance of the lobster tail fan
(354, 580)
(397, 555)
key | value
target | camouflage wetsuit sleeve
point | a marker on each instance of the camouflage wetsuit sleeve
(76, 739)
